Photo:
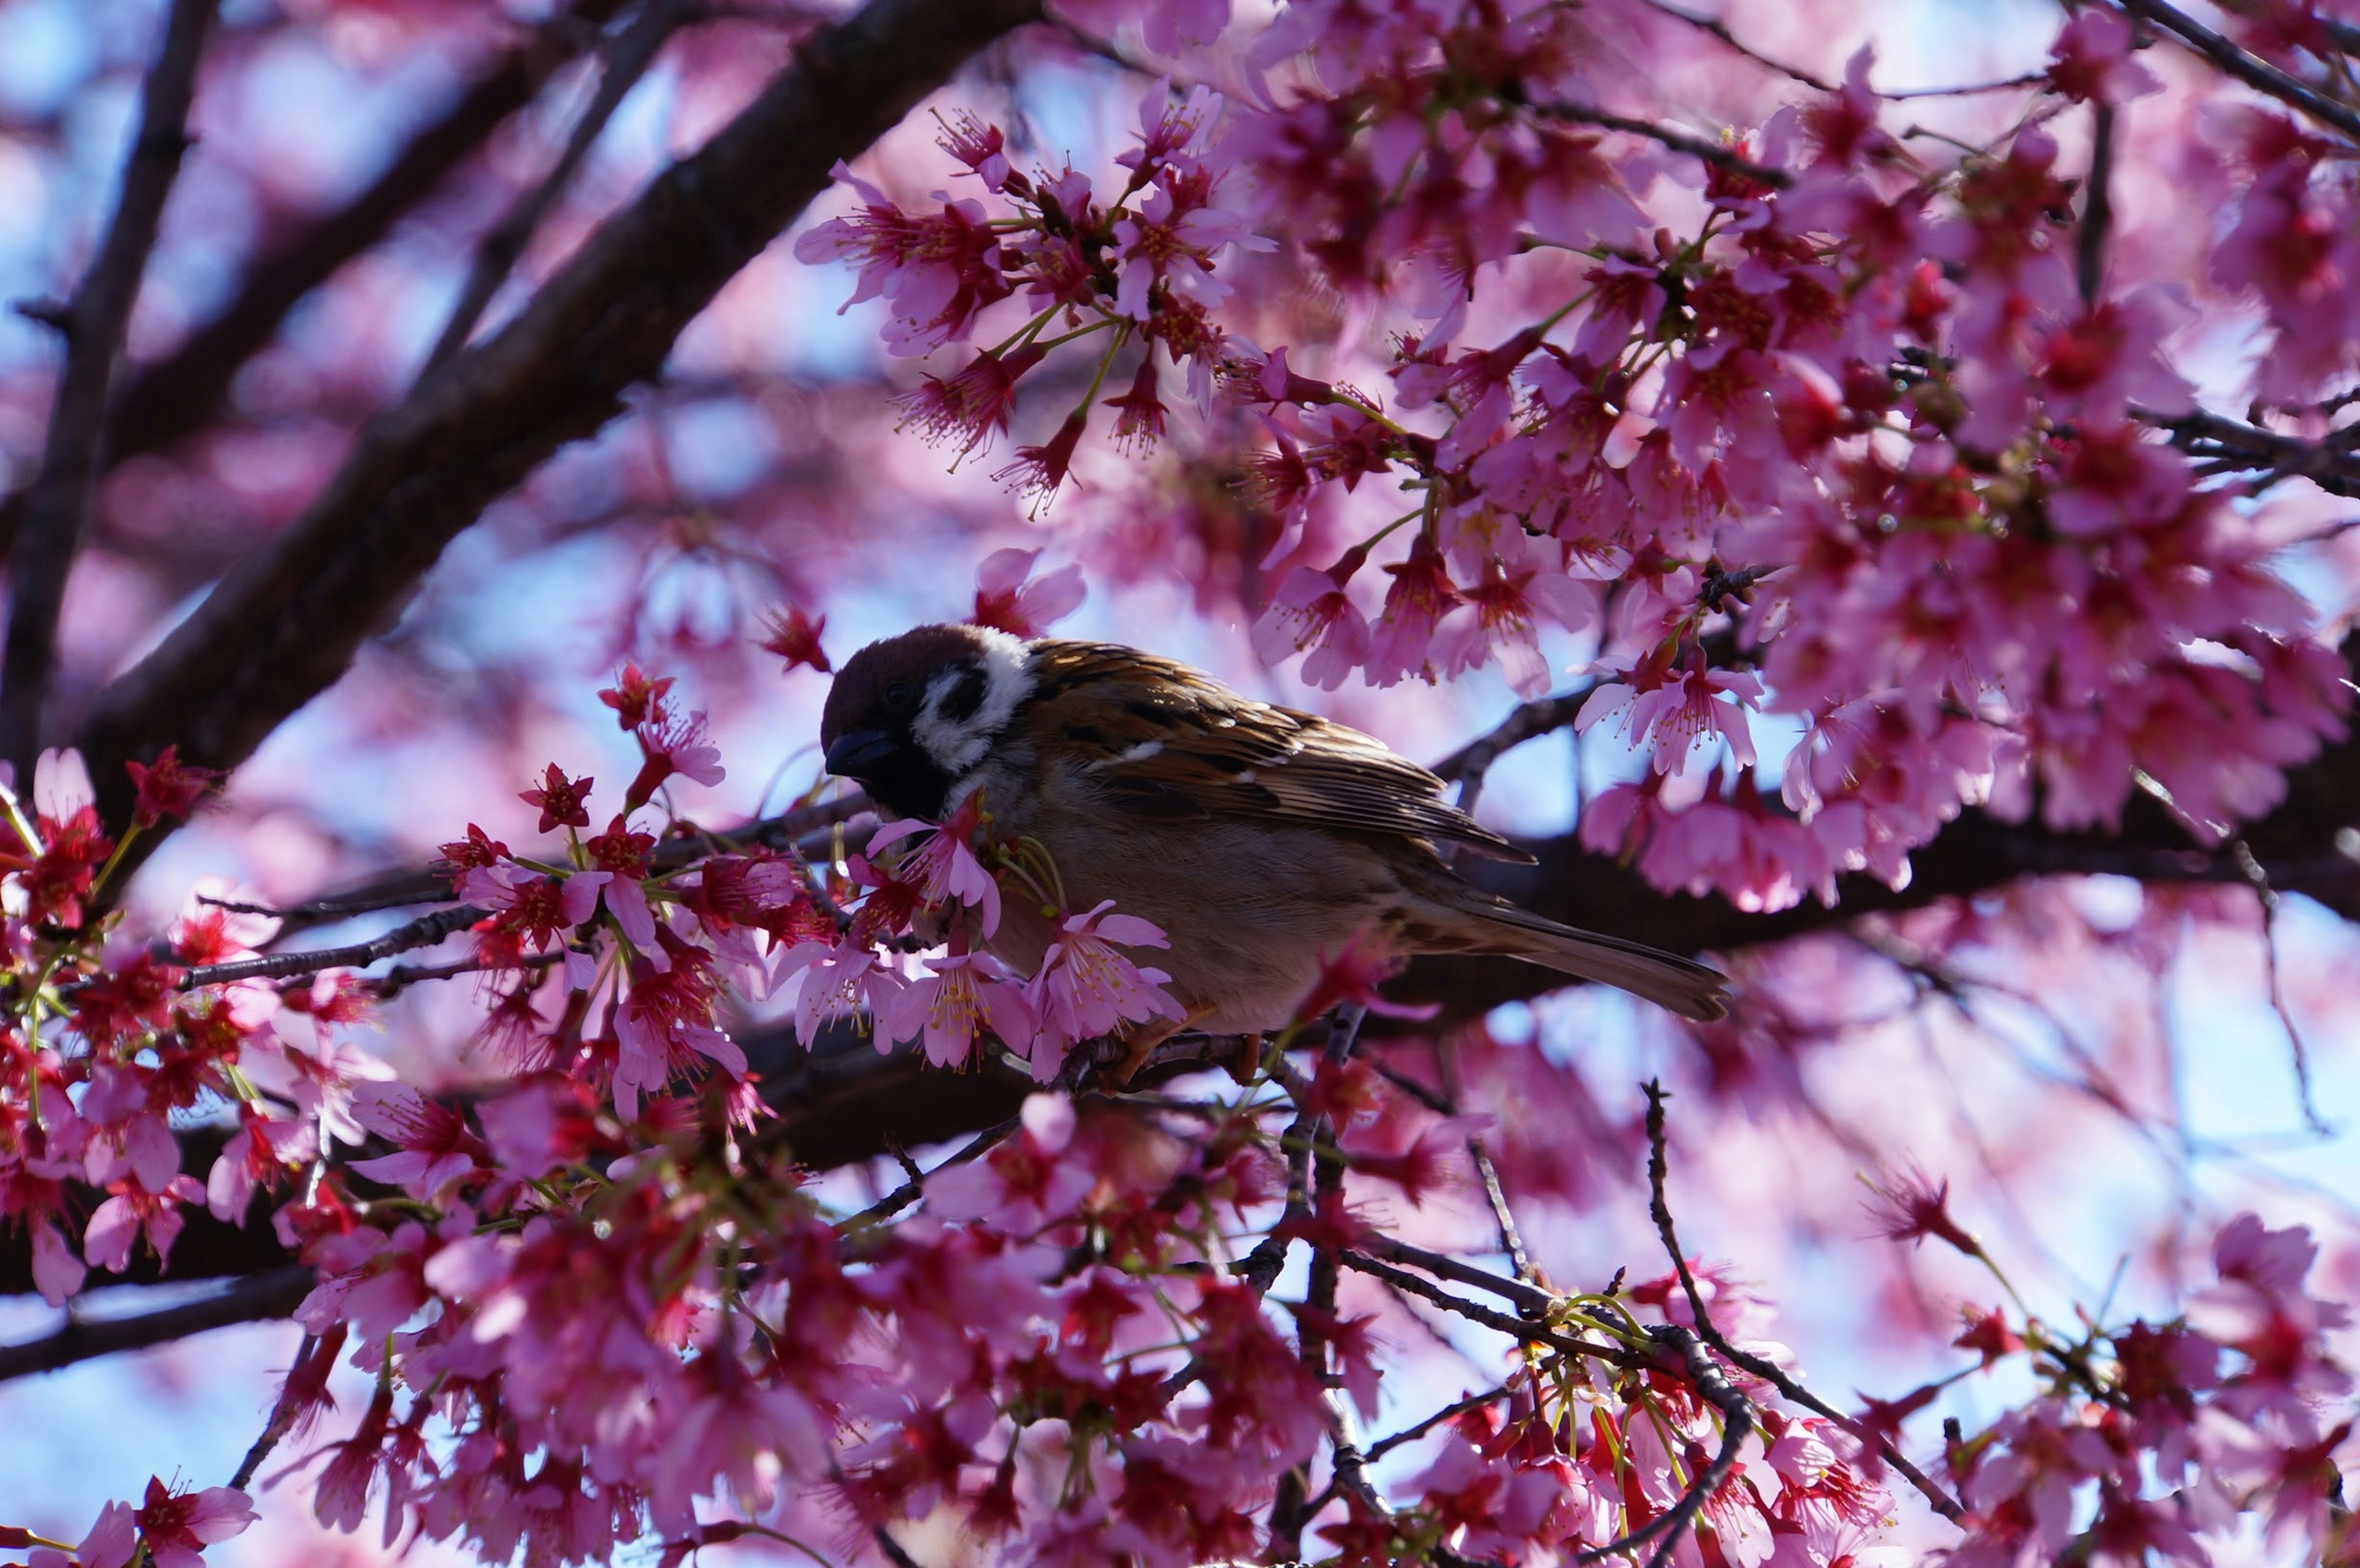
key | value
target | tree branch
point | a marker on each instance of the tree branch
(1678, 140)
(286, 622)
(2224, 445)
(1660, 1208)
(95, 324)
(424, 931)
(274, 1293)
(628, 59)
(1720, 29)
(2251, 70)
(2097, 205)
(173, 396)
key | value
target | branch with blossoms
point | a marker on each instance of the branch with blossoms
(1838, 453)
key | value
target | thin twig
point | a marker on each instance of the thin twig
(627, 57)
(1529, 1297)
(1770, 1372)
(424, 932)
(273, 1293)
(1712, 1386)
(1527, 721)
(2097, 206)
(2249, 69)
(1720, 29)
(59, 501)
(285, 1411)
(1495, 1193)
(910, 1191)
(1523, 1329)
(1289, 1512)
(2029, 79)
(1386, 1445)
(1678, 140)
(2267, 896)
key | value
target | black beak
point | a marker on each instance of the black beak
(856, 753)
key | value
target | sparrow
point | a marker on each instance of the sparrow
(1262, 839)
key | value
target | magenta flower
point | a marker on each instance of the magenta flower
(1009, 598)
(178, 1525)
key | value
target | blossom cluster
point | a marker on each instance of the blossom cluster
(1842, 444)
(2145, 1441)
(599, 1302)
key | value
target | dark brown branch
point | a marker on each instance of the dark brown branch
(173, 396)
(1410, 1433)
(286, 622)
(1712, 152)
(1529, 1330)
(910, 1191)
(273, 1293)
(626, 60)
(58, 500)
(2097, 205)
(1526, 720)
(2342, 35)
(1713, 1386)
(2250, 69)
(2259, 877)
(1659, 1207)
(2224, 445)
(424, 931)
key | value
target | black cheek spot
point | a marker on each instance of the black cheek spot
(960, 702)
(1085, 735)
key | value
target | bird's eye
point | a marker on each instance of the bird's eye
(902, 694)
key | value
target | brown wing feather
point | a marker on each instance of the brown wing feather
(1177, 745)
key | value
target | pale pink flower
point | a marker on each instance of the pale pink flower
(963, 995)
(2091, 59)
(57, 1272)
(435, 1144)
(945, 868)
(1673, 710)
(836, 981)
(1085, 988)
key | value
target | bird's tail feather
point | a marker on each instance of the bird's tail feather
(1691, 989)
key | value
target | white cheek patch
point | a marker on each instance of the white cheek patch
(957, 744)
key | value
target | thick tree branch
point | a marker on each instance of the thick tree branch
(274, 1293)
(286, 622)
(2224, 446)
(94, 325)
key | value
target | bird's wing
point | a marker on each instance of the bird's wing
(1167, 742)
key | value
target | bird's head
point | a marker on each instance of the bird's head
(910, 718)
